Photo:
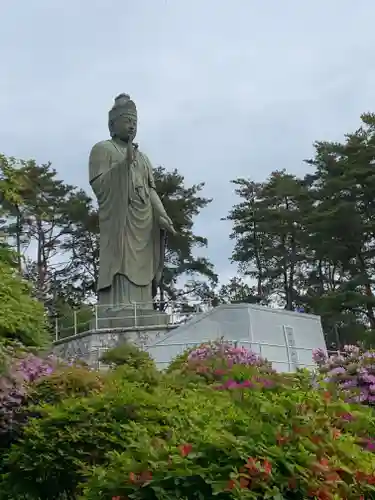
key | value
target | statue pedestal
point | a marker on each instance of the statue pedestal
(129, 317)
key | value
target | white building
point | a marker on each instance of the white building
(285, 338)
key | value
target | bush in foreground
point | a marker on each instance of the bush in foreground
(20, 369)
(217, 351)
(127, 354)
(243, 445)
(240, 431)
(22, 317)
(351, 371)
(65, 382)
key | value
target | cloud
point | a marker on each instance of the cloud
(224, 89)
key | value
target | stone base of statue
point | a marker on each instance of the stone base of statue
(129, 316)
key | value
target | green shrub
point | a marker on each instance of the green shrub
(58, 449)
(20, 368)
(237, 437)
(352, 372)
(65, 382)
(245, 444)
(217, 351)
(180, 360)
(21, 317)
(221, 362)
(127, 354)
(148, 376)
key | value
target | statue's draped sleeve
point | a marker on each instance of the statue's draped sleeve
(159, 211)
(99, 162)
(155, 199)
(149, 169)
(104, 177)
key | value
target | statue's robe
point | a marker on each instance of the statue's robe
(129, 229)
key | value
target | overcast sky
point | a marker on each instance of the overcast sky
(224, 88)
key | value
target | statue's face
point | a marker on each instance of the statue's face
(125, 127)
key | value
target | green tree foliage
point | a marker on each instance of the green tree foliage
(37, 219)
(344, 185)
(182, 204)
(310, 241)
(238, 291)
(80, 278)
(72, 319)
(268, 229)
(9, 197)
(211, 294)
(22, 318)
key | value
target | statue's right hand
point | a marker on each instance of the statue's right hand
(166, 223)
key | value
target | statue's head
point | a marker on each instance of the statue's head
(122, 118)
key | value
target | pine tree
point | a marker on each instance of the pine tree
(268, 230)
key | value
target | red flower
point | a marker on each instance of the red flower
(315, 439)
(185, 449)
(231, 485)
(244, 482)
(251, 465)
(332, 477)
(281, 439)
(321, 466)
(322, 494)
(219, 372)
(267, 466)
(132, 477)
(336, 433)
(327, 396)
(296, 429)
(145, 476)
(292, 483)
(141, 478)
(365, 478)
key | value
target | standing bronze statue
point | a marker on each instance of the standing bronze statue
(132, 218)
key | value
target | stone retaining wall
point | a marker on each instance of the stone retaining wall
(90, 345)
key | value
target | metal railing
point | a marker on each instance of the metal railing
(101, 317)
